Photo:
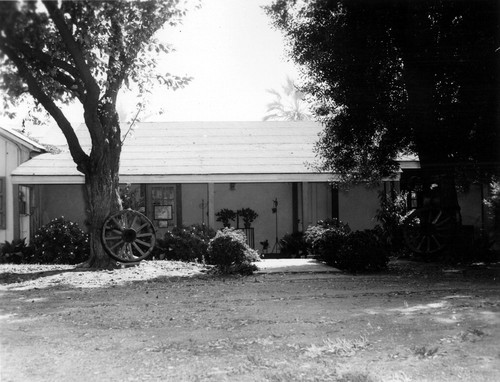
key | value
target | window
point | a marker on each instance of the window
(3, 204)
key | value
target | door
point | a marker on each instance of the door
(162, 207)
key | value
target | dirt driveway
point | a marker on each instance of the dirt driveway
(167, 321)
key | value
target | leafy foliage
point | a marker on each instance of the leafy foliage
(225, 215)
(333, 242)
(131, 197)
(391, 216)
(185, 243)
(288, 105)
(13, 251)
(59, 242)
(492, 203)
(396, 77)
(325, 239)
(362, 251)
(229, 252)
(248, 215)
(116, 39)
(293, 244)
(86, 51)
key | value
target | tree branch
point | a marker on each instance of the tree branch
(79, 156)
(74, 49)
(45, 58)
(91, 100)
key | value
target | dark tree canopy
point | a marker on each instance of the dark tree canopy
(58, 51)
(394, 77)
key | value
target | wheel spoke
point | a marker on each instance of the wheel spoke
(142, 226)
(133, 221)
(138, 249)
(144, 243)
(118, 224)
(145, 234)
(134, 246)
(117, 244)
(113, 237)
(436, 240)
(419, 246)
(436, 219)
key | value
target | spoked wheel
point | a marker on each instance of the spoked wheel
(128, 236)
(428, 230)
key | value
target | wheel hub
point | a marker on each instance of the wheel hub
(129, 235)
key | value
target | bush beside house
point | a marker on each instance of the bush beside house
(229, 252)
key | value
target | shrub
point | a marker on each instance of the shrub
(225, 215)
(293, 244)
(13, 252)
(248, 215)
(60, 242)
(362, 251)
(185, 243)
(391, 216)
(324, 239)
(229, 252)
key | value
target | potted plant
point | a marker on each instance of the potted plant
(248, 215)
(225, 215)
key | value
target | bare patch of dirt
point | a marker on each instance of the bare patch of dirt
(171, 321)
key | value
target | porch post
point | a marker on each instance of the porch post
(306, 205)
(211, 204)
(335, 202)
(295, 207)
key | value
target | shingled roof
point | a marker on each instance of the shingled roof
(199, 152)
(193, 152)
(21, 139)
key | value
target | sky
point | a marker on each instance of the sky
(233, 54)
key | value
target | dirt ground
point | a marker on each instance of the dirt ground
(170, 321)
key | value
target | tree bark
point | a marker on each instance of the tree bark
(102, 184)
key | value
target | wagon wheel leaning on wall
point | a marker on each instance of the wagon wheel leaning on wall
(429, 230)
(128, 236)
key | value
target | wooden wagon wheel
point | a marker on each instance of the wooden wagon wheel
(128, 236)
(428, 230)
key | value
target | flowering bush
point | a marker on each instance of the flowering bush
(324, 239)
(229, 252)
(185, 243)
(60, 242)
(391, 216)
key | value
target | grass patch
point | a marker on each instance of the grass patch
(339, 347)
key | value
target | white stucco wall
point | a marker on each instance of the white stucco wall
(259, 197)
(470, 204)
(62, 200)
(358, 206)
(12, 156)
(193, 195)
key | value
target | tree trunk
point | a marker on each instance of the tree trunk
(417, 45)
(102, 188)
(103, 200)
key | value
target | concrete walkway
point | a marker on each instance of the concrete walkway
(293, 266)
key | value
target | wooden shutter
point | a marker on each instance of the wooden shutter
(3, 204)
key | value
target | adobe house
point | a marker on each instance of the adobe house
(15, 148)
(182, 173)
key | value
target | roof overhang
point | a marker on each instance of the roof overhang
(22, 140)
(179, 178)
